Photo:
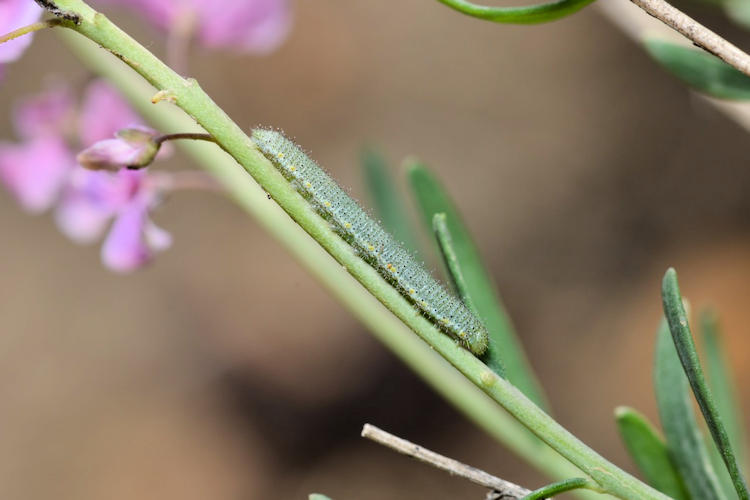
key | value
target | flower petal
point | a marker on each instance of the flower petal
(80, 219)
(257, 26)
(48, 113)
(157, 238)
(103, 113)
(125, 250)
(16, 14)
(35, 171)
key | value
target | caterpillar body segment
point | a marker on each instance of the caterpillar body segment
(375, 245)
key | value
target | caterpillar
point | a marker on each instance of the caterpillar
(372, 243)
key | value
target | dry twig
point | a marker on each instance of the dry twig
(502, 490)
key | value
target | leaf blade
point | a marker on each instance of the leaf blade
(700, 70)
(683, 341)
(504, 348)
(722, 383)
(386, 200)
(531, 14)
(649, 452)
(456, 272)
(683, 436)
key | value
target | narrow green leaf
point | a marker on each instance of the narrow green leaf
(722, 384)
(504, 348)
(701, 70)
(684, 440)
(317, 496)
(683, 341)
(560, 487)
(527, 14)
(385, 198)
(725, 481)
(455, 270)
(649, 453)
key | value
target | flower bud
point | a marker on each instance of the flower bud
(132, 148)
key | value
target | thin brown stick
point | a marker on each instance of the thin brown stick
(696, 33)
(505, 489)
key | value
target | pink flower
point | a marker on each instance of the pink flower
(103, 112)
(257, 26)
(35, 171)
(94, 199)
(45, 114)
(16, 14)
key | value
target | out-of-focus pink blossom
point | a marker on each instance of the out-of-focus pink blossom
(131, 147)
(95, 198)
(87, 205)
(103, 112)
(257, 26)
(35, 171)
(133, 240)
(46, 114)
(16, 14)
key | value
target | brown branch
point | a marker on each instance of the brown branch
(502, 490)
(696, 33)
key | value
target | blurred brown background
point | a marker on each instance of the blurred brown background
(223, 371)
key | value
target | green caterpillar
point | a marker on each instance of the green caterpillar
(372, 242)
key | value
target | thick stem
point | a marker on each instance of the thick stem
(189, 96)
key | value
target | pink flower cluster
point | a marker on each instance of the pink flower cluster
(41, 169)
(42, 172)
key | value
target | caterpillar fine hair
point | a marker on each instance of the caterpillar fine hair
(372, 242)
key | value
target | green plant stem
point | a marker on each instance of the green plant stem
(192, 136)
(553, 489)
(188, 95)
(528, 14)
(649, 452)
(51, 23)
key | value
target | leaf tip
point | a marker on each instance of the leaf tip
(670, 289)
(622, 412)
